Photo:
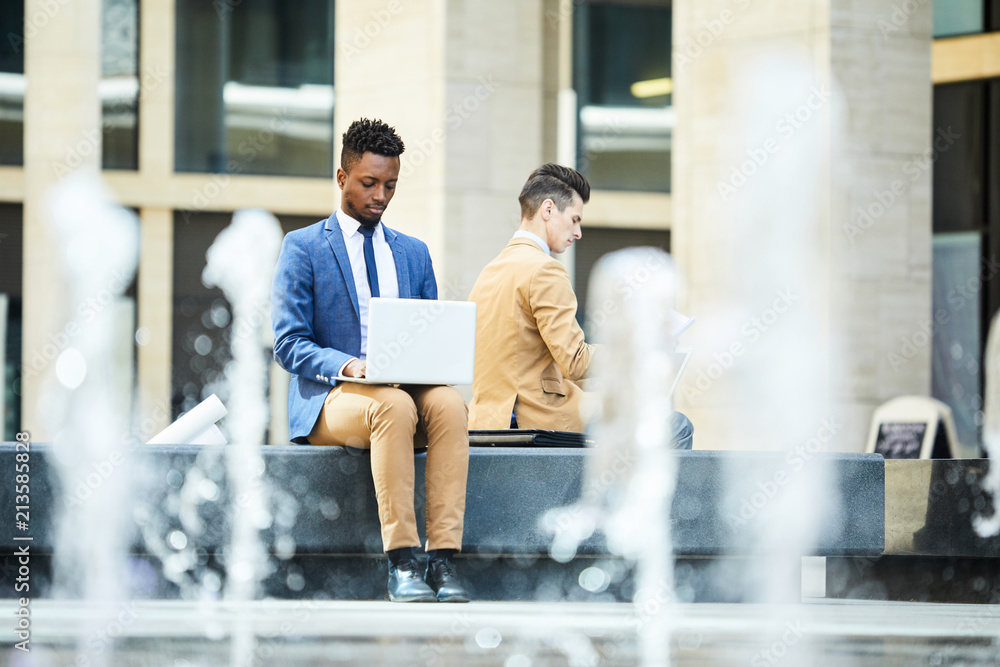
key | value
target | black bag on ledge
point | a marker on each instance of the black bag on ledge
(527, 437)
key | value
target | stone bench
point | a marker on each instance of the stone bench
(932, 552)
(325, 508)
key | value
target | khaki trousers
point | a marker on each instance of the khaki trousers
(392, 422)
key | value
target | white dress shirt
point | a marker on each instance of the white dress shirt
(522, 234)
(384, 263)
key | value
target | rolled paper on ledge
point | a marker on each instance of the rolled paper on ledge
(195, 427)
(210, 436)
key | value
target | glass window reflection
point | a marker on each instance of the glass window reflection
(11, 270)
(12, 83)
(119, 86)
(958, 17)
(623, 82)
(255, 87)
(955, 369)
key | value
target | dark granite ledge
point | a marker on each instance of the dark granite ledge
(323, 503)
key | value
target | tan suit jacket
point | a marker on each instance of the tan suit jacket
(529, 347)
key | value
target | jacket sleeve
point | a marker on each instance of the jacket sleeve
(554, 305)
(428, 286)
(292, 311)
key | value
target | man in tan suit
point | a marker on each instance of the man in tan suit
(530, 351)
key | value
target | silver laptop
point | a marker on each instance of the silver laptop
(419, 341)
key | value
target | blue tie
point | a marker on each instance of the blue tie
(370, 259)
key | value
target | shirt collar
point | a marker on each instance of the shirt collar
(350, 226)
(524, 234)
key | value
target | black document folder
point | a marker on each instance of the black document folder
(527, 437)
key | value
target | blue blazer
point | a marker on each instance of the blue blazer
(314, 310)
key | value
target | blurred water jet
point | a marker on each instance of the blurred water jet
(631, 474)
(241, 263)
(86, 398)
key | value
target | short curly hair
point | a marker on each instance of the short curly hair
(555, 182)
(369, 136)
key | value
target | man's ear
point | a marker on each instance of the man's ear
(546, 207)
(341, 177)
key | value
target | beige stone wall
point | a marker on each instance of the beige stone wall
(62, 115)
(463, 83)
(473, 88)
(791, 117)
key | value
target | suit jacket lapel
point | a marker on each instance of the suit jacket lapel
(335, 237)
(402, 265)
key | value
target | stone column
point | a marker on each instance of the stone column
(62, 134)
(464, 85)
(154, 334)
(801, 221)
(156, 161)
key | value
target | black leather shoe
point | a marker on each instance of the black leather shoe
(442, 579)
(405, 583)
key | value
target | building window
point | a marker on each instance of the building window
(957, 17)
(622, 77)
(953, 18)
(966, 251)
(956, 353)
(12, 83)
(255, 87)
(10, 319)
(119, 86)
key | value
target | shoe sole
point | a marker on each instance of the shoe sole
(417, 598)
(452, 598)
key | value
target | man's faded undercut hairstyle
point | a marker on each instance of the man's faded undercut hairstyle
(369, 136)
(555, 182)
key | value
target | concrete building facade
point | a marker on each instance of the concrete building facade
(784, 152)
